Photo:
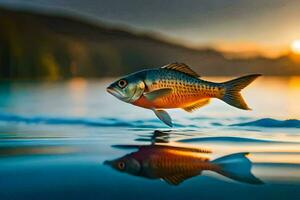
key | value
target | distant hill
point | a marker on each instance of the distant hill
(38, 46)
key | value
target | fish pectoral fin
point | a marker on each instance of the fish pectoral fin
(157, 93)
(197, 105)
(181, 67)
(163, 116)
(179, 178)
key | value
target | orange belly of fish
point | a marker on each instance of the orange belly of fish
(167, 102)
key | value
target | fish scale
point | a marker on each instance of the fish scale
(170, 162)
(184, 91)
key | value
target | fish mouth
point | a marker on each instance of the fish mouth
(117, 94)
(108, 162)
(114, 92)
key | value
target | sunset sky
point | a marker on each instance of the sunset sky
(268, 26)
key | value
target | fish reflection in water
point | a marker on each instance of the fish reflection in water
(176, 164)
(156, 137)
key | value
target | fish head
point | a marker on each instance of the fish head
(128, 89)
(125, 164)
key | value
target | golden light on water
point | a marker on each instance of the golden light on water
(293, 96)
(77, 90)
(295, 46)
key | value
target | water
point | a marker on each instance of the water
(55, 138)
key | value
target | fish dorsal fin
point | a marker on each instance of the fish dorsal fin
(181, 67)
(197, 105)
(179, 178)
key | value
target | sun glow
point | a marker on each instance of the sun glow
(295, 46)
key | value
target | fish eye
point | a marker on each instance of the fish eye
(121, 165)
(122, 83)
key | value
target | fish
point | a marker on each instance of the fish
(176, 85)
(174, 164)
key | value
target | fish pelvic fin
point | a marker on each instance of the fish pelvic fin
(164, 117)
(237, 167)
(233, 87)
(197, 105)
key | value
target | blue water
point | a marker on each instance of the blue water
(55, 137)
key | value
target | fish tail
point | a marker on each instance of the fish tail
(233, 87)
(237, 167)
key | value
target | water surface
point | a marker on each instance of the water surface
(56, 136)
